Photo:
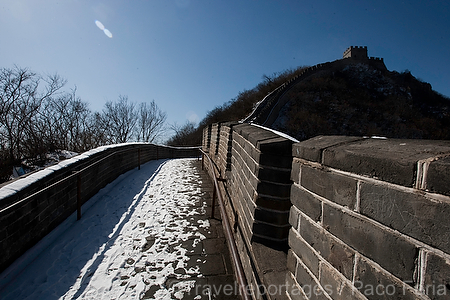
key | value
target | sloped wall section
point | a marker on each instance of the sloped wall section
(27, 216)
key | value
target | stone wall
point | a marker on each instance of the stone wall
(255, 165)
(260, 184)
(370, 219)
(356, 52)
(206, 139)
(27, 215)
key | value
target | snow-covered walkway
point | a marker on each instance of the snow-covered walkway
(143, 236)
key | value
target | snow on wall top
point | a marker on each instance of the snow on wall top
(20, 184)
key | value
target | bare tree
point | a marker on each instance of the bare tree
(62, 121)
(20, 100)
(183, 134)
(77, 121)
(96, 133)
(119, 120)
(151, 122)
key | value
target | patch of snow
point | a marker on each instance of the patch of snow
(24, 182)
(277, 132)
(128, 243)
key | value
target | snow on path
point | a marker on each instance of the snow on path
(128, 242)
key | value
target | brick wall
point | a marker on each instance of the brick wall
(223, 157)
(370, 219)
(24, 221)
(206, 140)
(256, 166)
(260, 184)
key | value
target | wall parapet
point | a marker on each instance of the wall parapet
(370, 218)
(32, 206)
(255, 166)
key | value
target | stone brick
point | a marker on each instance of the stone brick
(337, 286)
(391, 160)
(438, 176)
(274, 174)
(253, 134)
(239, 153)
(389, 249)
(273, 160)
(304, 251)
(245, 225)
(375, 283)
(410, 213)
(306, 202)
(294, 217)
(309, 285)
(272, 202)
(312, 149)
(291, 262)
(339, 255)
(46, 210)
(273, 189)
(275, 284)
(268, 259)
(270, 231)
(277, 244)
(259, 136)
(263, 158)
(242, 205)
(280, 218)
(278, 146)
(334, 187)
(293, 289)
(246, 146)
(437, 277)
(295, 172)
(246, 181)
(303, 277)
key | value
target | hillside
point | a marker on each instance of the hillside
(350, 96)
(233, 110)
(362, 100)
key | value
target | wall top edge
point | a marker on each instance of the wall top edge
(11, 188)
(399, 161)
(264, 139)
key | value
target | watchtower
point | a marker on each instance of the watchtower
(356, 52)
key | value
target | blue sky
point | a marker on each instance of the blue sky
(193, 55)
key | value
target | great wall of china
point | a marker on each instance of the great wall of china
(359, 218)
(333, 217)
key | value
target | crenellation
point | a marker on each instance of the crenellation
(356, 52)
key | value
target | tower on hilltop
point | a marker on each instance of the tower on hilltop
(356, 52)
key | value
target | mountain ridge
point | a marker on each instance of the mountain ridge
(355, 95)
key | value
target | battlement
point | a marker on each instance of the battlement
(358, 52)
(376, 58)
